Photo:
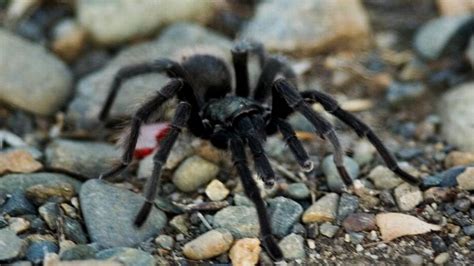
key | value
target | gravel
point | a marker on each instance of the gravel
(283, 214)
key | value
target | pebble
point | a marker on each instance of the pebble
(321, 24)
(209, 245)
(78, 252)
(245, 252)
(86, 158)
(18, 161)
(328, 229)
(108, 213)
(466, 179)
(333, 179)
(73, 230)
(441, 258)
(283, 214)
(313, 230)
(292, 247)
(11, 246)
(45, 82)
(19, 225)
(356, 238)
(468, 230)
(447, 178)
(407, 196)
(455, 7)
(126, 256)
(298, 191)
(414, 260)
(193, 173)
(58, 192)
(458, 158)
(462, 204)
(399, 93)
(216, 191)
(386, 198)
(358, 222)
(363, 152)
(322, 210)
(50, 214)
(92, 89)
(438, 244)
(348, 204)
(38, 249)
(165, 241)
(437, 37)
(241, 221)
(104, 20)
(393, 225)
(18, 205)
(457, 113)
(69, 38)
(180, 223)
(241, 200)
(13, 182)
(383, 178)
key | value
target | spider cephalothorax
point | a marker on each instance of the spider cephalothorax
(202, 84)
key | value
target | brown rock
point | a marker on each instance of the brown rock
(60, 191)
(466, 179)
(69, 39)
(458, 158)
(323, 210)
(358, 222)
(245, 252)
(439, 194)
(455, 7)
(18, 161)
(208, 245)
(393, 225)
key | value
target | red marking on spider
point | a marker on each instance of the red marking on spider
(150, 137)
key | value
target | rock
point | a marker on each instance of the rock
(444, 179)
(165, 241)
(400, 93)
(180, 223)
(438, 245)
(216, 191)
(11, 246)
(92, 90)
(127, 256)
(393, 225)
(18, 161)
(323, 210)
(208, 245)
(383, 178)
(109, 213)
(292, 247)
(44, 83)
(52, 259)
(89, 159)
(69, 38)
(78, 252)
(193, 173)
(348, 204)
(50, 213)
(470, 52)
(466, 179)
(458, 158)
(13, 182)
(322, 25)
(19, 225)
(17, 205)
(245, 252)
(414, 260)
(241, 200)
(356, 238)
(462, 204)
(456, 112)
(298, 191)
(333, 179)
(455, 7)
(468, 230)
(441, 258)
(104, 20)
(386, 198)
(329, 230)
(59, 192)
(407, 196)
(283, 214)
(73, 230)
(358, 222)
(439, 194)
(363, 152)
(38, 249)
(443, 35)
(241, 221)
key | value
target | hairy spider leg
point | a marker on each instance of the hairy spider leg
(151, 187)
(273, 67)
(159, 66)
(252, 191)
(285, 94)
(361, 129)
(141, 115)
(240, 53)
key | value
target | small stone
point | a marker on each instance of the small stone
(383, 178)
(50, 214)
(363, 152)
(241, 200)
(165, 241)
(193, 173)
(58, 192)
(17, 205)
(180, 223)
(458, 158)
(245, 252)
(348, 204)
(408, 196)
(241, 221)
(18, 161)
(438, 244)
(359, 248)
(393, 225)
(387, 198)
(126, 256)
(445, 179)
(358, 222)
(19, 225)
(455, 7)
(11, 246)
(313, 230)
(441, 258)
(283, 214)
(466, 179)
(73, 231)
(208, 245)
(333, 179)
(356, 238)
(216, 191)
(69, 39)
(292, 247)
(462, 204)
(399, 93)
(414, 260)
(78, 252)
(38, 249)
(468, 230)
(328, 229)
(298, 191)
(69, 210)
(322, 210)
(13, 182)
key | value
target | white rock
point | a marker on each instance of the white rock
(393, 225)
(216, 190)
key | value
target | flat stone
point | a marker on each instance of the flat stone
(241, 221)
(358, 222)
(17, 205)
(328, 229)
(193, 173)
(209, 245)
(323, 210)
(348, 204)
(333, 178)
(78, 252)
(216, 190)
(12, 182)
(38, 249)
(383, 178)
(284, 213)
(18, 161)
(292, 247)
(298, 191)
(59, 192)
(11, 246)
(127, 256)
(109, 213)
(408, 196)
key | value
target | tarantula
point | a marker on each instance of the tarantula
(209, 110)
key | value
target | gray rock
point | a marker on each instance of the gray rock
(165, 241)
(328, 229)
(408, 196)
(284, 213)
(333, 178)
(193, 173)
(470, 51)
(127, 256)
(73, 231)
(437, 37)
(109, 213)
(209, 244)
(11, 246)
(468, 230)
(298, 191)
(310, 26)
(30, 77)
(10, 183)
(356, 238)
(92, 90)
(463, 204)
(348, 204)
(241, 221)
(400, 93)
(466, 179)
(241, 200)
(18, 205)
(89, 159)
(386, 198)
(104, 19)
(324, 209)
(50, 213)
(292, 247)
(383, 178)
(414, 260)
(78, 252)
(38, 249)
(441, 258)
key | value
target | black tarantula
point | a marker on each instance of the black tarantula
(202, 84)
